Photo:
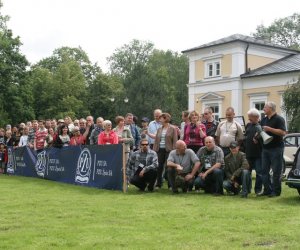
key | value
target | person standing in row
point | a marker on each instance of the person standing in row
(185, 120)
(108, 136)
(209, 122)
(154, 126)
(124, 134)
(272, 153)
(228, 131)
(253, 147)
(165, 142)
(194, 132)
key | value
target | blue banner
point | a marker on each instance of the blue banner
(98, 166)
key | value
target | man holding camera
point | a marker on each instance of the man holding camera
(142, 167)
(272, 153)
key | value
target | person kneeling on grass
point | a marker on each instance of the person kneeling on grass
(183, 165)
(237, 171)
(211, 168)
(142, 167)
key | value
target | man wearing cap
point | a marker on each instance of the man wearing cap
(183, 165)
(236, 171)
(211, 171)
(142, 167)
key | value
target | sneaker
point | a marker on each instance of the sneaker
(263, 194)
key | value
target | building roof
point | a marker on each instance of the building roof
(239, 38)
(286, 64)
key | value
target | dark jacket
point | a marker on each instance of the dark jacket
(235, 166)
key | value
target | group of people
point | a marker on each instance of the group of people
(201, 154)
(207, 155)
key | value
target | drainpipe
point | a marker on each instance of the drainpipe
(246, 59)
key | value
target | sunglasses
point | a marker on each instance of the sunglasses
(145, 144)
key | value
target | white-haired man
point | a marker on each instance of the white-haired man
(253, 147)
(154, 126)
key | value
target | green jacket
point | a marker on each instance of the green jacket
(127, 136)
(235, 166)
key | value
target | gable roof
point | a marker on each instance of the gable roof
(286, 64)
(239, 38)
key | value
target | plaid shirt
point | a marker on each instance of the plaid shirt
(148, 159)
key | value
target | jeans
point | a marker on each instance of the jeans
(243, 180)
(162, 155)
(272, 159)
(255, 163)
(141, 182)
(213, 183)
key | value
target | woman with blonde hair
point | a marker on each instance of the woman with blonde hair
(194, 132)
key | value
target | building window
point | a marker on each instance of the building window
(259, 106)
(210, 70)
(215, 108)
(213, 69)
(218, 71)
(258, 101)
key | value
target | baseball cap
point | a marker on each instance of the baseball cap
(233, 144)
(145, 119)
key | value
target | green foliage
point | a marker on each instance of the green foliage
(291, 100)
(283, 31)
(126, 58)
(59, 93)
(41, 214)
(100, 91)
(157, 79)
(66, 54)
(15, 97)
(67, 83)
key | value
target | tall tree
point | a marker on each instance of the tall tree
(104, 94)
(126, 58)
(15, 94)
(283, 31)
(159, 83)
(65, 54)
(291, 104)
(60, 93)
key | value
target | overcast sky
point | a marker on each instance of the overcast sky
(101, 26)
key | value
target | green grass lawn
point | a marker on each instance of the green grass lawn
(41, 214)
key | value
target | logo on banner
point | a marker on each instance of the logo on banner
(10, 161)
(41, 164)
(84, 166)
